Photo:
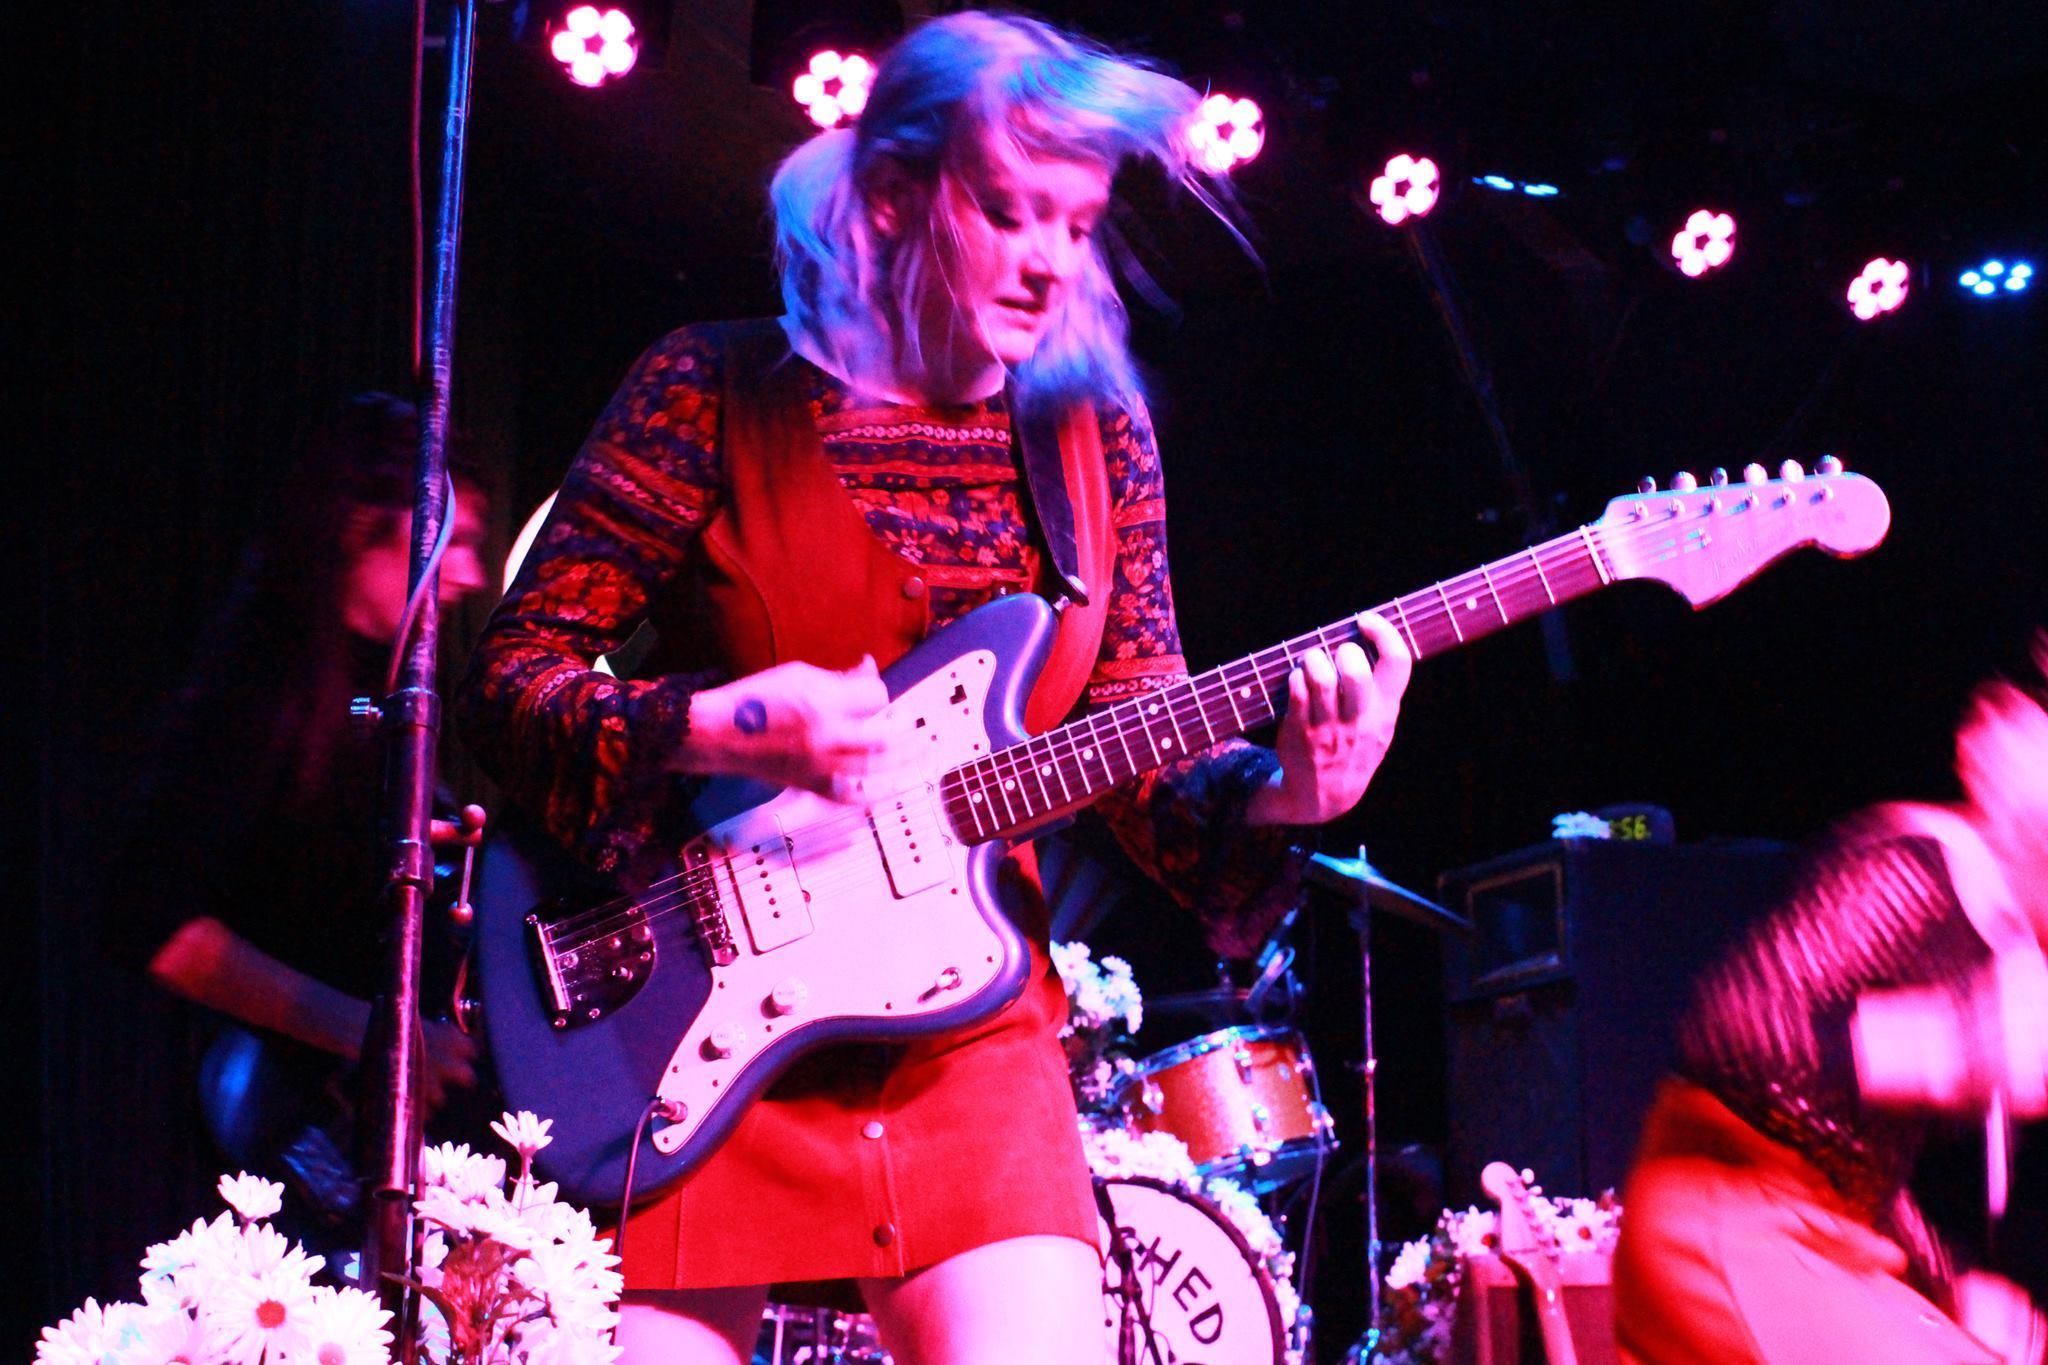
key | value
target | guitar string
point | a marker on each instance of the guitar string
(1590, 550)
(1043, 757)
(1014, 763)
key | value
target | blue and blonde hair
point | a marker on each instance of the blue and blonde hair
(953, 86)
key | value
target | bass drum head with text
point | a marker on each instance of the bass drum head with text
(1201, 1289)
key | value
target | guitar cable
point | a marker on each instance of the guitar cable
(657, 1105)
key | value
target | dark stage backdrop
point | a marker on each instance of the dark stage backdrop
(229, 252)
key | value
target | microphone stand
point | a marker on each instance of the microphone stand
(411, 722)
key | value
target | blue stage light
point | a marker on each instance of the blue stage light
(1997, 277)
(1540, 190)
(1494, 182)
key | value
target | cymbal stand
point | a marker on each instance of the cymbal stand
(1359, 883)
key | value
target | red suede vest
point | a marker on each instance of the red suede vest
(790, 569)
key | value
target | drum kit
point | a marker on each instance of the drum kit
(1181, 1279)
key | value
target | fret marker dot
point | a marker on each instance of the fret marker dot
(1471, 604)
(1010, 784)
(1088, 753)
(1166, 743)
(1045, 770)
(976, 797)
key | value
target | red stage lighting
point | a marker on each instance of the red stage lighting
(833, 88)
(1226, 133)
(1408, 188)
(595, 45)
(1880, 289)
(1706, 242)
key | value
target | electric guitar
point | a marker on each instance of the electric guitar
(792, 921)
(1534, 1254)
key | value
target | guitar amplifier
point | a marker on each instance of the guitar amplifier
(1562, 1004)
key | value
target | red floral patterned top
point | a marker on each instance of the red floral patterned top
(941, 486)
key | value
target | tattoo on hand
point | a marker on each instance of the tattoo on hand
(750, 717)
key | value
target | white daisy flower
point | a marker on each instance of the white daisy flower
(86, 1336)
(251, 1316)
(501, 1223)
(251, 1195)
(524, 1132)
(467, 1174)
(345, 1327)
(167, 1334)
(1475, 1232)
(448, 1210)
(575, 1288)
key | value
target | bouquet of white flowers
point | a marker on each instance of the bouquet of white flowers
(1103, 1008)
(514, 1278)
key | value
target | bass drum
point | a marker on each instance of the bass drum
(1201, 1292)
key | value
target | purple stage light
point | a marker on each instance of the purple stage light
(1226, 133)
(595, 45)
(833, 88)
(1880, 289)
(1408, 188)
(1706, 242)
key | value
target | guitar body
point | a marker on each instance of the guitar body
(843, 923)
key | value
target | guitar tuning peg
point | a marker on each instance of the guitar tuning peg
(1719, 478)
(1790, 471)
(1646, 484)
(1684, 482)
(1753, 473)
(1829, 464)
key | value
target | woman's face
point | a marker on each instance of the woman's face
(1011, 234)
(380, 564)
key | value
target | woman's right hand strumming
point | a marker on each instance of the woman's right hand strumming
(797, 725)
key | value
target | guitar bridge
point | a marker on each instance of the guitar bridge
(585, 979)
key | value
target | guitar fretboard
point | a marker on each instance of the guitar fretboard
(1028, 783)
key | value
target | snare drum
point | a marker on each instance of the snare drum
(1201, 1290)
(1244, 1100)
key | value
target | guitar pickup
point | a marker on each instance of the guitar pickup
(772, 902)
(913, 844)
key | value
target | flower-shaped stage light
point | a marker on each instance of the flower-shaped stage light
(834, 87)
(1407, 189)
(1706, 242)
(595, 45)
(1880, 289)
(1226, 133)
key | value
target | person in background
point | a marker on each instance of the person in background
(252, 880)
(1901, 982)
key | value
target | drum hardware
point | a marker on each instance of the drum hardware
(1356, 881)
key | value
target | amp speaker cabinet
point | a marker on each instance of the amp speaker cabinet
(1563, 1002)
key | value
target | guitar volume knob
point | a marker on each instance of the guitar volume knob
(725, 1040)
(789, 996)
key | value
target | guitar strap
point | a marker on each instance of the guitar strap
(1068, 479)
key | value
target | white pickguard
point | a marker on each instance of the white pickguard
(842, 911)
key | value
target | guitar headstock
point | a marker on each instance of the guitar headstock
(1704, 542)
(1520, 1233)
